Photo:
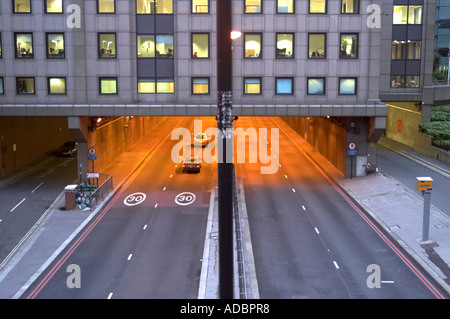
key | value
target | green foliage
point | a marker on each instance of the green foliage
(439, 127)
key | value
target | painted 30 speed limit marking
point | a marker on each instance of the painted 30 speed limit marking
(185, 198)
(134, 199)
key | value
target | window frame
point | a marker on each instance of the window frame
(1, 46)
(154, 46)
(47, 48)
(252, 78)
(261, 6)
(324, 90)
(357, 45)
(25, 77)
(200, 78)
(192, 8)
(326, 8)
(284, 78)
(98, 8)
(277, 56)
(325, 45)
(108, 78)
(46, 8)
(14, 8)
(348, 78)
(49, 86)
(260, 44)
(192, 45)
(357, 12)
(156, 43)
(2, 86)
(98, 45)
(15, 45)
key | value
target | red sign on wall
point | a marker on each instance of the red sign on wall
(399, 126)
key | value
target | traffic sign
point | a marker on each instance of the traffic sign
(92, 175)
(92, 151)
(92, 157)
(351, 146)
(185, 198)
(134, 199)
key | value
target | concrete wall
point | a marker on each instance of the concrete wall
(423, 145)
(403, 122)
(24, 140)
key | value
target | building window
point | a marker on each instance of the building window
(154, 6)
(164, 46)
(200, 6)
(285, 45)
(106, 6)
(347, 86)
(106, 45)
(55, 46)
(25, 85)
(200, 86)
(24, 45)
(317, 6)
(407, 14)
(108, 86)
(350, 6)
(402, 50)
(2, 89)
(252, 45)
(317, 46)
(57, 86)
(146, 46)
(164, 6)
(316, 86)
(165, 86)
(53, 6)
(284, 86)
(253, 6)
(285, 6)
(409, 81)
(21, 6)
(200, 45)
(349, 46)
(146, 86)
(252, 86)
(1, 52)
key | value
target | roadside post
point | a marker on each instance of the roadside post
(425, 185)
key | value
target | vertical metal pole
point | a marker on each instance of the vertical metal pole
(225, 169)
(426, 215)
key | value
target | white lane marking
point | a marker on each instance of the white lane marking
(293, 190)
(32, 192)
(335, 264)
(387, 281)
(164, 188)
(110, 295)
(129, 256)
(285, 176)
(317, 231)
(145, 227)
(17, 205)
(304, 208)
(156, 205)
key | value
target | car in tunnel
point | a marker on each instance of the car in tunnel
(69, 148)
(191, 164)
(201, 139)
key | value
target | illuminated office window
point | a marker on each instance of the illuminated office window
(57, 86)
(107, 45)
(146, 46)
(145, 6)
(108, 86)
(25, 85)
(317, 46)
(347, 86)
(285, 45)
(407, 14)
(106, 6)
(200, 86)
(285, 6)
(55, 46)
(414, 14)
(402, 50)
(253, 6)
(146, 86)
(200, 6)
(24, 45)
(316, 86)
(164, 6)
(317, 6)
(350, 6)
(165, 86)
(349, 46)
(21, 6)
(252, 86)
(200, 45)
(284, 86)
(164, 46)
(252, 45)
(54, 6)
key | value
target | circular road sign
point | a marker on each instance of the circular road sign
(185, 198)
(92, 151)
(351, 146)
(134, 199)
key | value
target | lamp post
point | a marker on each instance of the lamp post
(225, 168)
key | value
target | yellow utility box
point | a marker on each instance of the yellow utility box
(424, 183)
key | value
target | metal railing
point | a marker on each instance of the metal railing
(441, 83)
(90, 195)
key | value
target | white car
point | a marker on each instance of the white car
(201, 139)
